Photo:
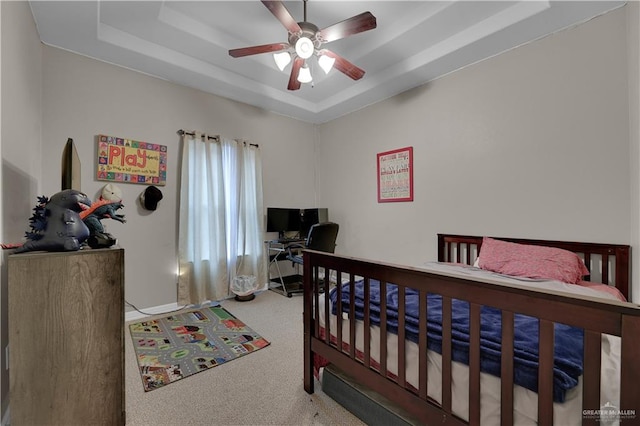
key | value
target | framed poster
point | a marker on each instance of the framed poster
(395, 175)
(129, 161)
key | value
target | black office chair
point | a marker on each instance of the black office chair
(322, 237)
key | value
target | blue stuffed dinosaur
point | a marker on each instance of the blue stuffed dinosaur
(56, 224)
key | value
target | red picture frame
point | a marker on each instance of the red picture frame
(395, 175)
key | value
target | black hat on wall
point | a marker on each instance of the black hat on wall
(150, 198)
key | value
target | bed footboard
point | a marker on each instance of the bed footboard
(350, 348)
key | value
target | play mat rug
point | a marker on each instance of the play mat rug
(180, 345)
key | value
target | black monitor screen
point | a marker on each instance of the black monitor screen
(310, 217)
(283, 220)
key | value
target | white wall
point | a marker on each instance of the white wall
(83, 97)
(633, 38)
(21, 119)
(531, 143)
(21, 116)
(4, 388)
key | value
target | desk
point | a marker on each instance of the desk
(276, 251)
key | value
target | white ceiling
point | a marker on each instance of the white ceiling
(187, 42)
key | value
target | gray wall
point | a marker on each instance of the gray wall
(633, 58)
(83, 97)
(21, 126)
(530, 143)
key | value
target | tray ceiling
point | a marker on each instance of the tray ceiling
(187, 42)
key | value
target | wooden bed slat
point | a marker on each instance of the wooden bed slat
(623, 268)
(545, 372)
(402, 335)
(422, 346)
(316, 306)
(591, 376)
(383, 330)
(587, 262)
(506, 369)
(352, 317)
(339, 318)
(326, 305)
(446, 354)
(630, 371)
(367, 324)
(311, 327)
(474, 363)
(605, 269)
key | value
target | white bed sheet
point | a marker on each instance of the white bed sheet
(525, 400)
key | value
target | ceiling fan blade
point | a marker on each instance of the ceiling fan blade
(354, 25)
(254, 50)
(282, 14)
(294, 84)
(344, 66)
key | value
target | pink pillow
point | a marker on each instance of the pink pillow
(605, 288)
(531, 261)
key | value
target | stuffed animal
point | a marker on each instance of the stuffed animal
(56, 224)
(101, 209)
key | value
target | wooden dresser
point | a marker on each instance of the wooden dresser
(66, 331)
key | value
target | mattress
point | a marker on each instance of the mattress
(525, 401)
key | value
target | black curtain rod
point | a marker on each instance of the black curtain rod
(182, 132)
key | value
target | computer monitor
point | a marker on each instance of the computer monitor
(282, 220)
(310, 217)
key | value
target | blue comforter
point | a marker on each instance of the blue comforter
(568, 340)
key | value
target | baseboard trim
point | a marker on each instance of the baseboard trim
(154, 310)
(135, 315)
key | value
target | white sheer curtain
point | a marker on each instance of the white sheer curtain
(220, 218)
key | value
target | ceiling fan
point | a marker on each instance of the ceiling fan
(306, 40)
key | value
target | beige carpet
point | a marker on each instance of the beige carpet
(263, 389)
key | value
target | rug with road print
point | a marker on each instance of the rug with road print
(182, 344)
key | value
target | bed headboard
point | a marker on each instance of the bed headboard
(607, 263)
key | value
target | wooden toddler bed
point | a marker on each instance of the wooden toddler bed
(455, 344)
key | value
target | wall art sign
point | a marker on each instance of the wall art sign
(129, 161)
(395, 175)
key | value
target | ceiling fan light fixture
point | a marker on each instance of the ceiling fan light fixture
(305, 40)
(304, 47)
(304, 75)
(282, 59)
(326, 63)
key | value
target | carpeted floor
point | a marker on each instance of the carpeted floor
(262, 389)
